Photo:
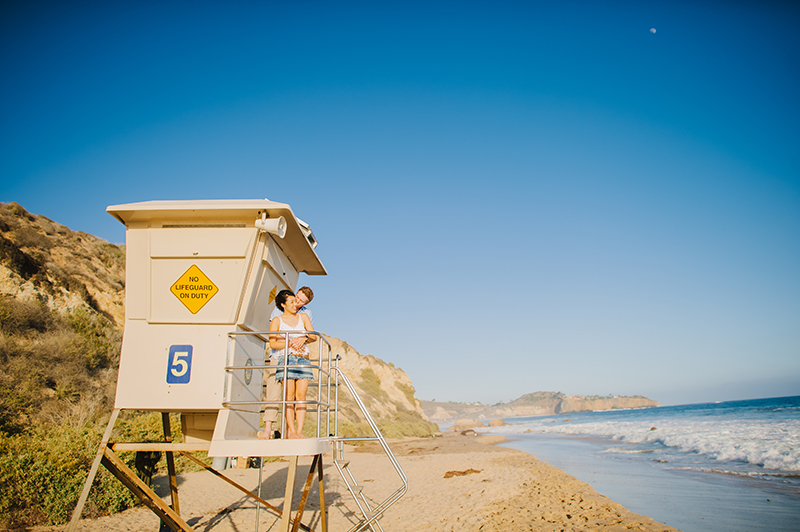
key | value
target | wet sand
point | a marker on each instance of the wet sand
(458, 483)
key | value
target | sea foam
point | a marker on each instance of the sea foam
(765, 437)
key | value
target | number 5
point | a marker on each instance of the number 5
(179, 364)
(177, 360)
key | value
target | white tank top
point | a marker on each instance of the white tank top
(299, 326)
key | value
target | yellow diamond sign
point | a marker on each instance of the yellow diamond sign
(194, 289)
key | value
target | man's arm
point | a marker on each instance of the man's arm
(309, 325)
(307, 312)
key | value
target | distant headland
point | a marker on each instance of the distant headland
(533, 404)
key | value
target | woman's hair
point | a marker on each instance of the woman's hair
(281, 298)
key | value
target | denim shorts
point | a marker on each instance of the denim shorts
(294, 373)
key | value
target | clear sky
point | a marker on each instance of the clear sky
(586, 197)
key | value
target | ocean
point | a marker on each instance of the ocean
(732, 466)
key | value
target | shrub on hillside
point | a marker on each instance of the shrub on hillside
(371, 385)
(408, 390)
(24, 317)
(43, 470)
(405, 423)
(97, 341)
(47, 358)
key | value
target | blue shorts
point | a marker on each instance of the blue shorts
(294, 373)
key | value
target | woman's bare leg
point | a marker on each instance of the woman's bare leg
(301, 389)
(290, 394)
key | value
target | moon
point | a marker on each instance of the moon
(652, 30)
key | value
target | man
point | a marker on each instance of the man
(304, 296)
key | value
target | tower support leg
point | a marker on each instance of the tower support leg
(323, 510)
(118, 468)
(87, 486)
(173, 481)
(288, 495)
(316, 467)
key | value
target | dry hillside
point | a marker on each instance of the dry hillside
(386, 391)
(61, 297)
(42, 260)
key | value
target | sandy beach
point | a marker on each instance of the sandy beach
(456, 482)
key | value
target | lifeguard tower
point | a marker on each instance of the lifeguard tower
(201, 279)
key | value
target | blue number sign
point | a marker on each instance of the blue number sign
(179, 365)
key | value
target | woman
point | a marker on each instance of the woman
(297, 381)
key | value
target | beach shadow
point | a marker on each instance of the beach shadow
(338, 500)
(274, 487)
(160, 483)
(224, 514)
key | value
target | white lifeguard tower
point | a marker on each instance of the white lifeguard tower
(201, 279)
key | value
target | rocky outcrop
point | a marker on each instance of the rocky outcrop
(464, 424)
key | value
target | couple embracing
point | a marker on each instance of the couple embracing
(290, 314)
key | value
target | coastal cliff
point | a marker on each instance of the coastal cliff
(533, 404)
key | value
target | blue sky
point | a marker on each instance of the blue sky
(509, 196)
